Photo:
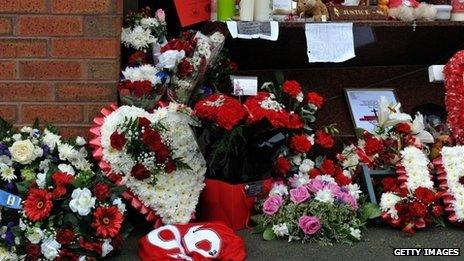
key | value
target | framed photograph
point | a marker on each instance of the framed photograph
(363, 104)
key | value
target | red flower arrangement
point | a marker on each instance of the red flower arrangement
(300, 144)
(292, 88)
(225, 111)
(454, 100)
(138, 89)
(315, 99)
(324, 139)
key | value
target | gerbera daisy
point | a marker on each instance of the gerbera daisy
(107, 221)
(38, 204)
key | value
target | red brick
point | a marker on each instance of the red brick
(50, 25)
(95, 26)
(51, 70)
(20, 92)
(18, 48)
(103, 70)
(67, 131)
(82, 6)
(85, 48)
(5, 26)
(52, 113)
(22, 6)
(86, 92)
(8, 112)
(7, 70)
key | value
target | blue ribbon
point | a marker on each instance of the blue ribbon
(9, 200)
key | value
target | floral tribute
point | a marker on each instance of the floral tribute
(141, 30)
(70, 217)
(187, 58)
(450, 171)
(409, 200)
(155, 156)
(454, 84)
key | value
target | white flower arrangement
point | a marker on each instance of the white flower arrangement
(453, 163)
(416, 164)
(145, 72)
(172, 196)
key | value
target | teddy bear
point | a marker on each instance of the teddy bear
(312, 8)
(410, 10)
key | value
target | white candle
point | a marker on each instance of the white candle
(262, 10)
(246, 10)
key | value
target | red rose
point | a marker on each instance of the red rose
(424, 195)
(101, 191)
(170, 166)
(300, 144)
(283, 166)
(314, 173)
(404, 211)
(328, 167)
(66, 255)
(152, 139)
(418, 210)
(162, 153)
(403, 127)
(142, 88)
(437, 210)
(185, 68)
(324, 139)
(139, 172)
(33, 250)
(372, 146)
(292, 88)
(315, 99)
(65, 236)
(117, 140)
(342, 180)
(144, 122)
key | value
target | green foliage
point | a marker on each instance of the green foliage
(268, 234)
(83, 179)
(52, 128)
(227, 146)
(369, 211)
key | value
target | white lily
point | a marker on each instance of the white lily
(418, 130)
(389, 115)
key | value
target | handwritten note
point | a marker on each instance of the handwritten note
(253, 30)
(330, 42)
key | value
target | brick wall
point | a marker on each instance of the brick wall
(59, 60)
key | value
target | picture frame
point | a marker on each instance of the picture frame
(362, 103)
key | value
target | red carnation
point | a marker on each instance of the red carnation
(404, 210)
(403, 127)
(294, 121)
(101, 191)
(418, 210)
(107, 221)
(424, 195)
(390, 184)
(33, 250)
(117, 140)
(170, 166)
(315, 99)
(372, 146)
(142, 88)
(437, 210)
(314, 173)
(144, 122)
(177, 45)
(152, 139)
(328, 167)
(300, 144)
(342, 180)
(137, 58)
(230, 114)
(283, 166)
(38, 204)
(139, 172)
(292, 88)
(324, 139)
(61, 180)
(90, 246)
(67, 255)
(65, 236)
(185, 68)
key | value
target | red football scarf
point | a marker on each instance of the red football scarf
(193, 242)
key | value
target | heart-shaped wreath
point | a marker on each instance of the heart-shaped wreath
(155, 156)
(454, 84)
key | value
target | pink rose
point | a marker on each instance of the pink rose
(272, 204)
(349, 200)
(315, 185)
(334, 188)
(309, 225)
(160, 15)
(299, 195)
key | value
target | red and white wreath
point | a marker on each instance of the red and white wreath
(155, 156)
(450, 171)
(454, 84)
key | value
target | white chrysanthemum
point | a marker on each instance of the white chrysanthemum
(324, 195)
(50, 139)
(280, 229)
(388, 202)
(354, 190)
(278, 189)
(415, 162)
(326, 178)
(300, 179)
(66, 169)
(149, 22)
(306, 166)
(145, 72)
(7, 173)
(453, 162)
(137, 38)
